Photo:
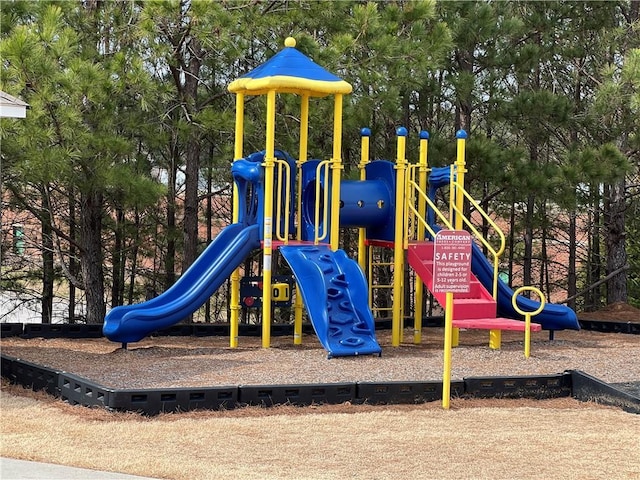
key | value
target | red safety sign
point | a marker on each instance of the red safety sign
(452, 262)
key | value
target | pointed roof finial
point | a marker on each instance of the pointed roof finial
(290, 42)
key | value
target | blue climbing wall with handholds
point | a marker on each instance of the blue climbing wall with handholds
(334, 291)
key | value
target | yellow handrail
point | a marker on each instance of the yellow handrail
(325, 210)
(414, 191)
(287, 178)
(495, 253)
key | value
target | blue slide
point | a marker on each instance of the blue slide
(131, 323)
(334, 291)
(552, 317)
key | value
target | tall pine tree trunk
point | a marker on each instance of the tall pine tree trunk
(170, 256)
(91, 261)
(73, 263)
(527, 271)
(615, 241)
(134, 257)
(190, 225)
(594, 264)
(117, 260)
(571, 274)
(47, 260)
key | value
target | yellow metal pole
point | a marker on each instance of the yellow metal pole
(398, 245)
(446, 372)
(423, 169)
(234, 306)
(460, 170)
(304, 140)
(365, 135)
(302, 157)
(336, 167)
(269, 162)
(461, 137)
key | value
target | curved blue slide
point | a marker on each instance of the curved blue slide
(334, 291)
(552, 317)
(131, 323)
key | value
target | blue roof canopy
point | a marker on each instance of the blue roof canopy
(290, 71)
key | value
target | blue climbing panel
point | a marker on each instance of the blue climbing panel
(334, 291)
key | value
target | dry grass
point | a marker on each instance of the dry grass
(492, 439)
(559, 439)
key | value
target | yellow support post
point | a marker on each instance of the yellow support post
(302, 157)
(495, 339)
(455, 337)
(304, 140)
(423, 169)
(336, 167)
(398, 245)
(365, 135)
(234, 306)
(269, 162)
(461, 136)
(446, 371)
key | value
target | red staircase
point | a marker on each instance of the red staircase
(474, 310)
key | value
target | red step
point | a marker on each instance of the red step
(495, 324)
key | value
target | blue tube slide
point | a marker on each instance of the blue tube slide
(131, 323)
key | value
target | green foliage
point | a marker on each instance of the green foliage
(120, 92)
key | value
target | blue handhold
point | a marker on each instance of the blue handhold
(352, 341)
(345, 305)
(340, 280)
(335, 331)
(341, 318)
(334, 293)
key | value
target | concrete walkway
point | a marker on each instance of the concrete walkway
(11, 469)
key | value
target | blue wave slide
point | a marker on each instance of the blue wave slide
(131, 323)
(334, 291)
(552, 317)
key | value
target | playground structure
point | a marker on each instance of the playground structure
(299, 207)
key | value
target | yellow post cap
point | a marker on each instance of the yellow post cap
(290, 42)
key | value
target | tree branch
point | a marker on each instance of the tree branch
(598, 283)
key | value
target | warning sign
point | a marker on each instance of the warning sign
(452, 262)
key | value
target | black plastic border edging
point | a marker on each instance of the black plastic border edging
(11, 329)
(30, 375)
(538, 387)
(610, 327)
(388, 393)
(66, 330)
(79, 391)
(299, 395)
(155, 401)
(589, 389)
